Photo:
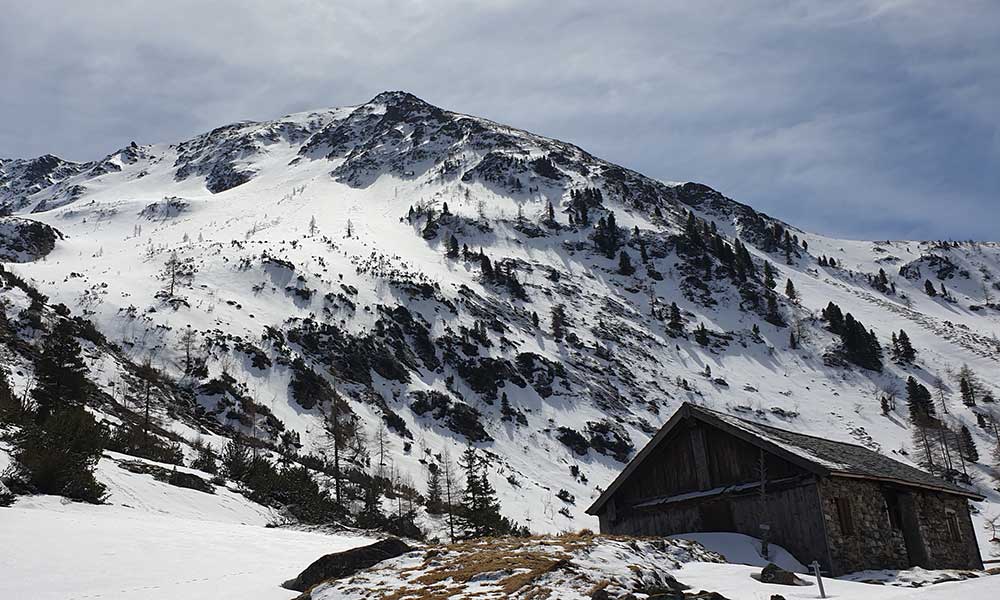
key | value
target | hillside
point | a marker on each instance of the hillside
(410, 260)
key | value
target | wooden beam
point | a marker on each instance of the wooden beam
(700, 452)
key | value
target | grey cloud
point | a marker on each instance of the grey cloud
(856, 118)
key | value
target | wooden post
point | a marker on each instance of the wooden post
(700, 458)
(819, 578)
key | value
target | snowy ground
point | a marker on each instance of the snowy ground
(734, 582)
(152, 541)
(55, 551)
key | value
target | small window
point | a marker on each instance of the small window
(954, 531)
(844, 516)
(893, 515)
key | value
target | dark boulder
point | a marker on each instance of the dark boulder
(344, 564)
(772, 573)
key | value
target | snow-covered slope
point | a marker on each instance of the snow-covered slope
(318, 242)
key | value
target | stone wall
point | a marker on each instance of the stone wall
(875, 543)
(943, 552)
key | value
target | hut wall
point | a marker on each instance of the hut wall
(793, 515)
(873, 543)
(696, 458)
(944, 549)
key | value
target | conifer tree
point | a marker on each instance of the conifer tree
(558, 321)
(480, 515)
(701, 335)
(59, 454)
(59, 372)
(625, 264)
(834, 317)
(675, 322)
(967, 444)
(790, 290)
(918, 399)
(792, 342)
(929, 288)
(486, 266)
(967, 385)
(906, 351)
(205, 460)
(452, 247)
(434, 493)
(769, 276)
(773, 315)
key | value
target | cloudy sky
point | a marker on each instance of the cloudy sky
(859, 118)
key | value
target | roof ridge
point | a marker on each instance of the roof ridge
(759, 424)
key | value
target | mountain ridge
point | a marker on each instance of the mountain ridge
(317, 255)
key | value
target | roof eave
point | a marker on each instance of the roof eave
(909, 483)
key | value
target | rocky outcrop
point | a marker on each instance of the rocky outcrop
(344, 564)
(24, 240)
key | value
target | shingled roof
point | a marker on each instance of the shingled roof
(824, 457)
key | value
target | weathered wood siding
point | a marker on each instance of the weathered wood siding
(680, 466)
(793, 513)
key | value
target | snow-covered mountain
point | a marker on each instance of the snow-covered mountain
(412, 258)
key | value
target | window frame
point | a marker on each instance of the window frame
(845, 519)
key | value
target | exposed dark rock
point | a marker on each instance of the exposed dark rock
(772, 573)
(573, 440)
(456, 416)
(344, 564)
(24, 240)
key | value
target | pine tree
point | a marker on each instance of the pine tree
(834, 317)
(12, 409)
(967, 444)
(550, 214)
(967, 385)
(701, 335)
(773, 315)
(434, 493)
(625, 264)
(313, 228)
(558, 321)
(58, 455)
(235, 460)
(452, 247)
(918, 399)
(902, 348)
(485, 266)
(929, 288)
(675, 322)
(205, 460)
(792, 342)
(790, 290)
(480, 516)
(769, 276)
(59, 372)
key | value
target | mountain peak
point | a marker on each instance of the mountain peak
(397, 97)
